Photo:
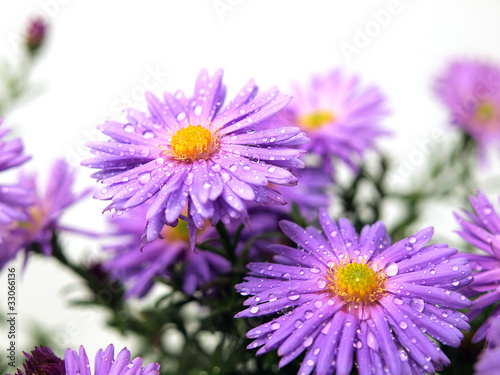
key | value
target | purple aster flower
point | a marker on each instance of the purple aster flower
(137, 269)
(340, 295)
(12, 197)
(37, 29)
(341, 117)
(42, 361)
(107, 364)
(481, 228)
(41, 218)
(489, 359)
(192, 152)
(471, 90)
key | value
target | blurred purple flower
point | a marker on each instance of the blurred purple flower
(339, 295)
(12, 197)
(192, 152)
(471, 91)
(42, 361)
(341, 117)
(42, 217)
(37, 29)
(138, 269)
(481, 228)
(489, 360)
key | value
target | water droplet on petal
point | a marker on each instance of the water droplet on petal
(129, 128)
(275, 326)
(298, 323)
(293, 295)
(403, 324)
(148, 134)
(144, 178)
(307, 342)
(417, 304)
(391, 269)
(321, 283)
(197, 110)
(254, 309)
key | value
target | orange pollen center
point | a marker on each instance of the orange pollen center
(316, 119)
(356, 282)
(193, 143)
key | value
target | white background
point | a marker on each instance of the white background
(99, 53)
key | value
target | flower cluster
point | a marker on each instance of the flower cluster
(189, 178)
(191, 153)
(348, 295)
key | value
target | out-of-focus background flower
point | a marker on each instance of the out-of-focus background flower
(99, 57)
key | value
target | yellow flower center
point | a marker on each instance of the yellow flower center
(356, 282)
(316, 119)
(485, 112)
(35, 222)
(177, 233)
(193, 143)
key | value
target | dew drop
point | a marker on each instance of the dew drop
(403, 324)
(159, 161)
(321, 283)
(272, 297)
(318, 304)
(144, 178)
(417, 304)
(307, 342)
(391, 269)
(197, 110)
(148, 134)
(254, 309)
(129, 128)
(454, 268)
(275, 326)
(298, 323)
